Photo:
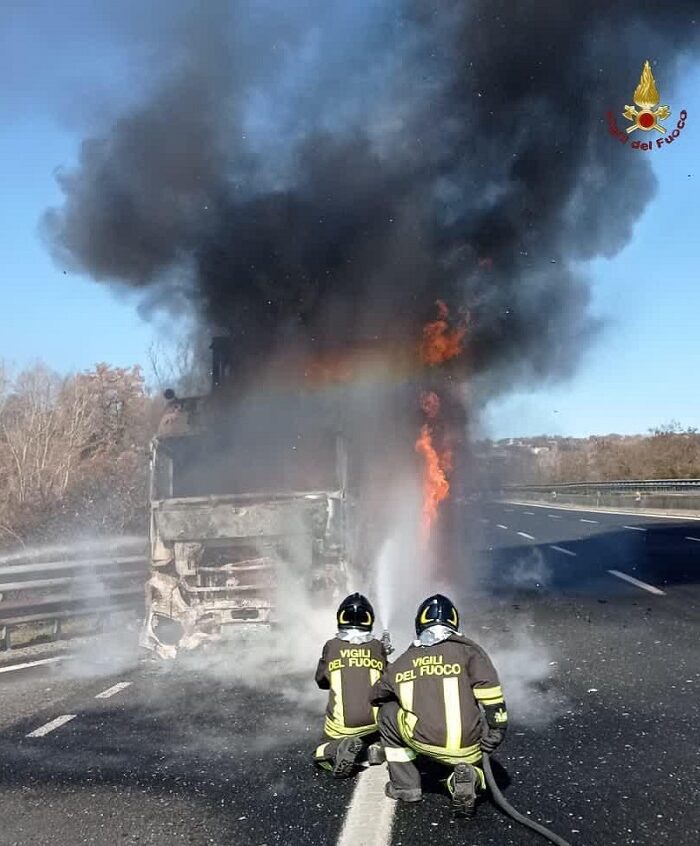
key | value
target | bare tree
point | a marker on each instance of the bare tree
(668, 452)
(182, 366)
(70, 445)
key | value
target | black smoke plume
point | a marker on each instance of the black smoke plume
(323, 174)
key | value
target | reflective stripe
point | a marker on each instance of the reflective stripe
(332, 729)
(453, 713)
(467, 754)
(374, 676)
(406, 695)
(399, 755)
(320, 750)
(482, 693)
(337, 688)
(407, 724)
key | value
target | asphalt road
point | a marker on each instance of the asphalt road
(601, 675)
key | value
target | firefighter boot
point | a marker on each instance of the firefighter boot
(462, 787)
(346, 757)
(375, 754)
(403, 794)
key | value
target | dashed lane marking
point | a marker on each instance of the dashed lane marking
(554, 516)
(370, 817)
(501, 526)
(116, 688)
(656, 515)
(634, 528)
(530, 513)
(582, 520)
(29, 664)
(525, 535)
(562, 550)
(637, 582)
(483, 520)
(52, 725)
(697, 540)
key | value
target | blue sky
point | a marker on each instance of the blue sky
(642, 371)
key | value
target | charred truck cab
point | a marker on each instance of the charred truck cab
(240, 491)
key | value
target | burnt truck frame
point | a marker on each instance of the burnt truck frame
(216, 557)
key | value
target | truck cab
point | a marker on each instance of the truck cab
(241, 489)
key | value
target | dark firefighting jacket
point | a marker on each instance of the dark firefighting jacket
(348, 671)
(440, 689)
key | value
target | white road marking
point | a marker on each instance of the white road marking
(581, 520)
(554, 516)
(112, 690)
(370, 816)
(656, 515)
(562, 549)
(531, 513)
(637, 583)
(29, 664)
(51, 725)
(525, 535)
(697, 540)
(483, 520)
(634, 528)
(501, 526)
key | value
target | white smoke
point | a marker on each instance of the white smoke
(530, 571)
(525, 668)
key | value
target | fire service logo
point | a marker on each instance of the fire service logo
(647, 116)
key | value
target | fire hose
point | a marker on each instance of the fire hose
(501, 801)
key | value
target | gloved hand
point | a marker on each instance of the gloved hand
(492, 739)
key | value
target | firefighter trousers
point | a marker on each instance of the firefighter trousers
(400, 756)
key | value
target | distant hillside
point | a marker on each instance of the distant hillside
(667, 452)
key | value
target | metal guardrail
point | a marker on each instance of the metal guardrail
(65, 588)
(641, 485)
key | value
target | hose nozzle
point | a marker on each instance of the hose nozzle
(385, 640)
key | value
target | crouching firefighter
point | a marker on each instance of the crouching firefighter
(433, 697)
(350, 664)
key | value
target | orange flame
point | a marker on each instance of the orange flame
(440, 342)
(435, 484)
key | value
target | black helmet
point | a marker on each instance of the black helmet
(355, 612)
(436, 610)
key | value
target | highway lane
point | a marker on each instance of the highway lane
(174, 757)
(617, 761)
(660, 552)
(601, 675)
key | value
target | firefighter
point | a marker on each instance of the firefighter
(350, 664)
(432, 700)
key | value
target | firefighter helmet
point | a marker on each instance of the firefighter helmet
(436, 610)
(355, 612)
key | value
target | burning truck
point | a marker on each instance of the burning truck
(293, 468)
(239, 489)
